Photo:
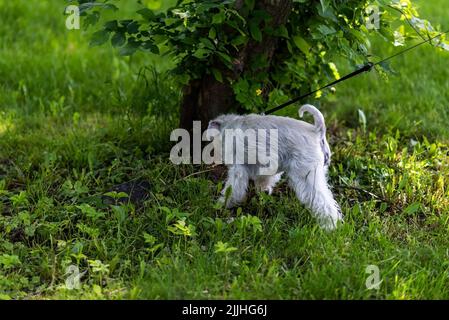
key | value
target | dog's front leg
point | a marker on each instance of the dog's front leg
(267, 183)
(238, 182)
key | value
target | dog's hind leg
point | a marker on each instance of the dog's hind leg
(312, 190)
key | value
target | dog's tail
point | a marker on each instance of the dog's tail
(317, 116)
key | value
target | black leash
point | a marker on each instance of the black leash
(365, 68)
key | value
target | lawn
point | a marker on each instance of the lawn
(80, 125)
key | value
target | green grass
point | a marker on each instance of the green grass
(74, 125)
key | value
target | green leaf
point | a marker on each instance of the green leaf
(235, 26)
(289, 47)
(302, 44)
(207, 43)
(217, 74)
(8, 261)
(239, 40)
(118, 39)
(130, 48)
(326, 11)
(413, 208)
(218, 18)
(325, 30)
(91, 19)
(255, 32)
(224, 247)
(99, 38)
(150, 46)
(133, 27)
(111, 25)
(324, 4)
(89, 5)
(225, 57)
(281, 32)
(116, 195)
(154, 4)
(201, 53)
(386, 67)
(90, 211)
(146, 13)
(212, 33)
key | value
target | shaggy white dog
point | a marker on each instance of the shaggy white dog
(300, 150)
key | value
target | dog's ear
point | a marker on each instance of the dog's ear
(215, 124)
(213, 129)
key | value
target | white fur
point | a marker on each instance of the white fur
(303, 154)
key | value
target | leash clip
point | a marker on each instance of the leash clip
(368, 66)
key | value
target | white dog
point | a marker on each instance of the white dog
(302, 152)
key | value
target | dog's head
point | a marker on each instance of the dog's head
(219, 122)
(216, 126)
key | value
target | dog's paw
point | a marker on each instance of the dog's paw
(330, 224)
(225, 203)
(222, 200)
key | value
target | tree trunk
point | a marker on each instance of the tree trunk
(206, 98)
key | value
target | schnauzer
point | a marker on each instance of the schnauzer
(302, 152)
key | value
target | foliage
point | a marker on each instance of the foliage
(208, 37)
(59, 158)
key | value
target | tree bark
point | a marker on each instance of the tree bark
(206, 98)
